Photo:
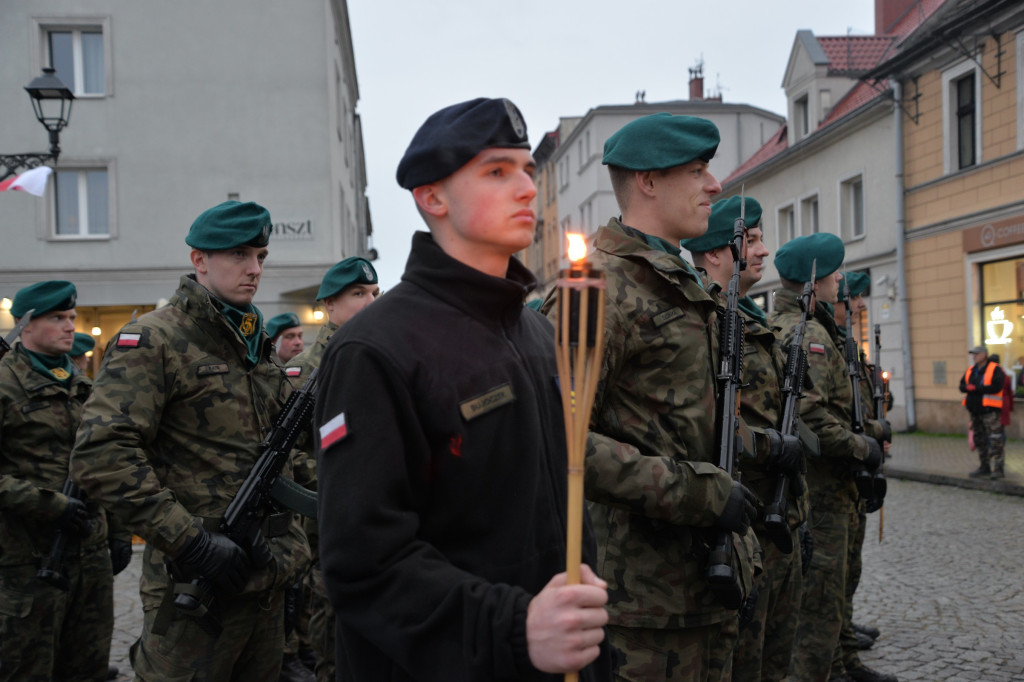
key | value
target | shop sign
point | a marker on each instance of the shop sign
(993, 235)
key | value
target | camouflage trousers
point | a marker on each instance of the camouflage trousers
(989, 438)
(699, 654)
(846, 656)
(824, 597)
(248, 650)
(766, 644)
(48, 634)
(297, 632)
(321, 627)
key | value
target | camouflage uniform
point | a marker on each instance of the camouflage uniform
(825, 409)
(46, 633)
(653, 487)
(766, 643)
(321, 615)
(169, 434)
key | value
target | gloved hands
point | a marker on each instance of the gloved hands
(120, 554)
(873, 504)
(75, 519)
(785, 453)
(971, 388)
(886, 430)
(218, 559)
(739, 510)
(874, 458)
(803, 534)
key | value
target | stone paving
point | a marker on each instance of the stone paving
(944, 586)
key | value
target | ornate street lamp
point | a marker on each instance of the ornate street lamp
(45, 91)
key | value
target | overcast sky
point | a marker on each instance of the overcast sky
(554, 59)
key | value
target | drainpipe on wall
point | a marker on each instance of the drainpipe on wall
(901, 258)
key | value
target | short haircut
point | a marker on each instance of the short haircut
(791, 285)
(622, 185)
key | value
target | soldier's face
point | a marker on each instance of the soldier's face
(686, 193)
(487, 206)
(52, 333)
(826, 289)
(756, 253)
(344, 305)
(289, 343)
(232, 275)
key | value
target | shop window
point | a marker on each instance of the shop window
(1000, 314)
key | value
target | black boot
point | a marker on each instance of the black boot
(983, 470)
(868, 630)
(863, 641)
(292, 670)
(997, 473)
(112, 672)
(866, 674)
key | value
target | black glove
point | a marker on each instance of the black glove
(874, 458)
(873, 504)
(785, 453)
(75, 519)
(806, 546)
(120, 554)
(886, 430)
(739, 510)
(218, 559)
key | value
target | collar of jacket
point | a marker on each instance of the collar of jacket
(615, 239)
(197, 301)
(32, 381)
(787, 301)
(487, 298)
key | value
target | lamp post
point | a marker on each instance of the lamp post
(45, 88)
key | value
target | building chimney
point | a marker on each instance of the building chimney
(888, 12)
(697, 82)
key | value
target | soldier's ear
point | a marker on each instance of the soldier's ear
(200, 261)
(431, 199)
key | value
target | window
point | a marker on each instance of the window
(563, 172)
(787, 225)
(809, 215)
(1020, 90)
(78, 57)
(579, 152)
(82, 203)
(802, 117)
(825, 97)
(999, 314)
(851, 206)
(961, 113)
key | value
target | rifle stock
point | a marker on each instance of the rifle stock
(51, 571)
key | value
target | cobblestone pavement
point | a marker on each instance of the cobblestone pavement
(944, 586)
(127, 614)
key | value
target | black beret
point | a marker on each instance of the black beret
(230, 225)
(450, 138)
(54, 294)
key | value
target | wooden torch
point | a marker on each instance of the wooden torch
(579, 347)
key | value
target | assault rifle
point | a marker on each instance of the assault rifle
(720, 574)
(50, 572)
(6, 341)
(243, 520)
(880, 392)
(880, 395)
(776, 524)
(866, 481)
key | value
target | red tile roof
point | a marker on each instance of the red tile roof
(861, 94)
(853, 54)
(776, 145)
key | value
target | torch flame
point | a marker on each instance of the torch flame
(885, 374)
(577, 246)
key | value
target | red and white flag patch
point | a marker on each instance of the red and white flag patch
(128, 340)
(333, 431)
(816, 348)
(293, 371)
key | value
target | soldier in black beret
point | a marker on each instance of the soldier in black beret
(442, 447)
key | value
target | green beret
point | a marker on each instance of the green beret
(54, 294)
(450, 138)
(82, 345)
(859, 283)
(349, 271)
(278, 323)
(661, 141)
(720, 225)
(229, 225)
(793, 260)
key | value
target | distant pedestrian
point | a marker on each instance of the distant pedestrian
(983, 385)
(1007, 408)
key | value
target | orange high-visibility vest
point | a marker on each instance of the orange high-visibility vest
(989, 399)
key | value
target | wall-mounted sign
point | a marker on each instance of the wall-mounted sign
(292, 230)
(994, 235)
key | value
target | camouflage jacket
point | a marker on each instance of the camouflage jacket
(826, 407)
(651, 474)
(38, 420)
(173, 427)
(761, 407)
(300, 367)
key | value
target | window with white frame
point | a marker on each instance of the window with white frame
(1020, 90)
(802, 117)
(79, 54)
(851, 208)
(82, 203)
(961, 114)
(809, 215)
(787, 225)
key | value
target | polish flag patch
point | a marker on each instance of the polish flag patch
(333, 431)
(816, 348)
(293, 371)
(128, 340)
